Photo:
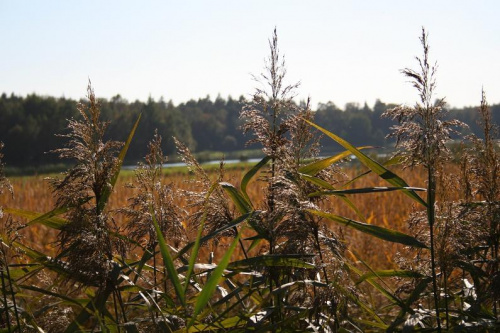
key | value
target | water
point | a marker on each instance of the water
(181, 164)
(233, 161)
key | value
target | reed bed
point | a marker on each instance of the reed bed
(293, 243)
(384, 209)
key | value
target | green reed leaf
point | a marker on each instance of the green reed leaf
(392, 161)
(48, 262)
(238, 198)
(25, 271)
(107, 190)
(379, 232)
(290, 286)
(75, 301)
(198, 240)
(272, 260)
(232, 224)
(210, 286)
(389, 273)
(361, 305)
(328, 186)
(250, 174)
(365, 190)
(376, 167)
(168, 261)
(226, 325)
(49, 219)
(317, 181)
(414, 296)
(315, 167)
(384, 290)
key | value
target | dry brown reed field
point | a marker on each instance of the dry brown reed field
(388, 209)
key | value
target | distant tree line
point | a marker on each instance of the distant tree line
(28, 125)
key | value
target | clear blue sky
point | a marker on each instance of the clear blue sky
(341, 51)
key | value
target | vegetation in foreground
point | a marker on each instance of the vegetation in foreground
(153, 265)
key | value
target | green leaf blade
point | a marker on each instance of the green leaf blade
(107, 191)
(376, 231)
(275, 260)
(365, 190)
(315, 167)
(389, 273)
(212, 283)
(168, 261)
(238, 198)
(49, 219)
(376, 167)
(251, 173)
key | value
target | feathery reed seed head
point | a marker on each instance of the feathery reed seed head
(86, 240)
(156, 197)
(422, 131)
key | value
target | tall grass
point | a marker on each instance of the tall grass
(294, 243)
(422, 136)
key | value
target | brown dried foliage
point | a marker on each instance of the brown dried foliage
(85, 241)
(422, 132)
(153, 197)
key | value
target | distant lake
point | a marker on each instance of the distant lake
(180, 164)
(233, 161)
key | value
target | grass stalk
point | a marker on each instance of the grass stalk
(117, 314)
(6, 305)
(122, 306)
(431, 216)
(446, 305)
(318, 245)
(12, 292)
(155, 283)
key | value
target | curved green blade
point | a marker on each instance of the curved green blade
(250, 174)
(49, 219)
(374, 230)
(365, 190)
(232, 224)
(208, 290)
(168, 261)
(315, 167)
(389, 273)
(275, 260)
(107, 191)
(392, 161)
(198, 240)
(328, 186)
(239, 199)
(376, 167)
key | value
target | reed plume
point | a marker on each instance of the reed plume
(206, 200)
(482, 204)
(277, 124)
(421, 137)
(8, 234)
(86, 241)
(4, 182)
(153, 197)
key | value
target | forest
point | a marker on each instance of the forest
(28, 125)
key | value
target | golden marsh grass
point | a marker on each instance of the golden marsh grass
(387, 209)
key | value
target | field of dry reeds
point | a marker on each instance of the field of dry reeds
(389, 210)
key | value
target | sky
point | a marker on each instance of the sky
(340, 51)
